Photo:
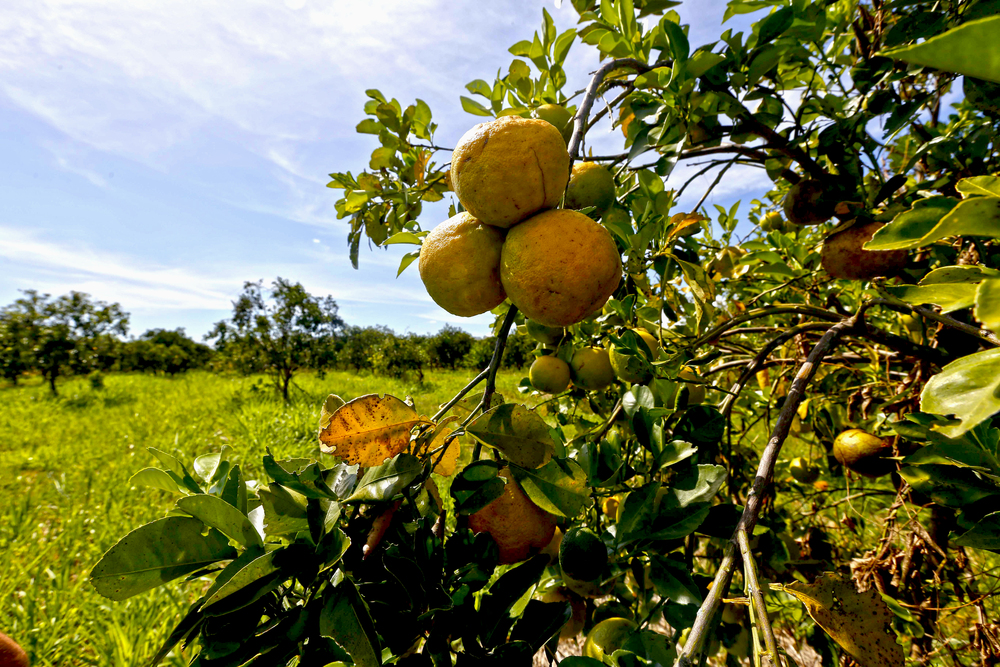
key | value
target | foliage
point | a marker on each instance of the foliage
(67, 334)
(164, 351)
(679, 472)
(279, 331)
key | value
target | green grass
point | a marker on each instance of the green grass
(65, 465)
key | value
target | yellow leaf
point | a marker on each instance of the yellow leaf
(859, 622)
(433, 439)
(369, 430)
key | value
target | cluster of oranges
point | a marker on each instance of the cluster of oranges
(557, 266)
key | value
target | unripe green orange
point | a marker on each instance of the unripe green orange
(607, 637)
(590, 184)
(863, 453)
(591, 368)
(549, 374)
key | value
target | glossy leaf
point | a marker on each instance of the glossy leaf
(558, 487)
(155, 478)
(949, 296)
(345, 618)
(859, 622)
(516, 432)
(222, 516)
(987, 308)
(968, 388)
(965, 50)
(979, 216)
(258, 570)
(477, 486)
(984, 535)
(672, 579)
(369, 430)
(385, 481)
(156, 553)
(949, 485)
(979, 186)
(284, 510)
(698, 484)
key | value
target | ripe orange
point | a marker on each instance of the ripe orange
(12, 655)
(508, 169)
(559, 267)
(518, 526)
(591, 368)
(460, 266)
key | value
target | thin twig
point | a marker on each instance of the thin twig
(758, 605)
(491, 378)
(761, 484)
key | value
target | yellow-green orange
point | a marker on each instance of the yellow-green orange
(582, 554)
(508, 169)
(863, 452)
(607, 637)
(591, 368)
(633, 368)
(802, 470)
(696, 391)
(559, 266)
(518, 526)
(549, 374)
(590, 185)
(460, 265)
(559, 116)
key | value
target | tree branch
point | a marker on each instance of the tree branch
(761, 484)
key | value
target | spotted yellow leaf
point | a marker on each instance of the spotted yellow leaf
(369, 430)
(859, 622)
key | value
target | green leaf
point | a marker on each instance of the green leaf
(702, 61)
(494, 610)
(968, 388)
(950, 296)
(402, 237)
(476, 486)
(369, 126)
(673, 452)
(763, 61)
(909, 227)
(672, 524)
(697, 484)
(948, 485)
(775, 24)
(516, 432)
(959, 274)
(385, 481)
(966, 49)
(157, 479)
(381, 159)
(672, 579)
(345, 619)
(701, 425)
(678, 41)
(222, 516)
(987, 308)
(407, 259)
(979, 186)
(474, 107)
(558, 487)
(984, 535)
(284, 510)
(562, 45)
(156, 553)
(254, 579)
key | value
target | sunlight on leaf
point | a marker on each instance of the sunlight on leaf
(369, 429)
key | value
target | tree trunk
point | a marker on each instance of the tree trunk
(52, 383)
(286, 379)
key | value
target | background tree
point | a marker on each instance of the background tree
(68, 334)
(164, 351)
(15, 349)
(448, 347)
(279, 331)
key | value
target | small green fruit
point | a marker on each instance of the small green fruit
(802, 470)
(863, 453)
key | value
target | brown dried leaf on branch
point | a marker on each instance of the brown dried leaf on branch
(859, 622)
(369, 430)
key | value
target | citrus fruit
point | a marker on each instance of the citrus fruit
(549, 374)
(807, 203)
(844, 257)
(696, 390)
(611, 609)
(632, 368)
(772, 222)
(863, 452)
(559, 267)
(12, 655)
(559, 116)
(802, 470)
(518, 526)
(582, 554)
(591, 368)
(610, 505)
(607, 637)
(508, 169)
(460, 266)
(590, 184)
(543, 334)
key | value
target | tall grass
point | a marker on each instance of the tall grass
(65, 465)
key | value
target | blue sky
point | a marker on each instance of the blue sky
(158, 154)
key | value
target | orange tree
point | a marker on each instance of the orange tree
(700, 486)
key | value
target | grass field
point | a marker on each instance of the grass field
(65, 465)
